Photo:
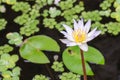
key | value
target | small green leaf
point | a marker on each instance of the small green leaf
(72, 60)
(95, 56)
(16, 71)
(118, 1)
(6, 74)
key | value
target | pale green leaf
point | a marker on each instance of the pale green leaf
(33, 54)
(72, 60)
(43, 43)
(94, 56)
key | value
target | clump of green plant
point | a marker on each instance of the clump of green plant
(12, 74)
(5, 49)
(3, 23)
(8, 68)
(14, 38)
(40, 77)
(69, 76)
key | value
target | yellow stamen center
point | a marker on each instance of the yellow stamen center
(79, 36)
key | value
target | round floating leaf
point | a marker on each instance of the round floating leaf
(94, 56)
(72, 60)
(31, 49)
(43, 43)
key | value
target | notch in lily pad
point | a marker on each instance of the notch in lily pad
(32, 49)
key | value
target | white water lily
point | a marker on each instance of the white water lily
(80, 35)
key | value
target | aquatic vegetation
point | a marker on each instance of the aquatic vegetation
(31, 16)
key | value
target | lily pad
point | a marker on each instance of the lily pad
(94, 56)
(33, 46)
(72, 60)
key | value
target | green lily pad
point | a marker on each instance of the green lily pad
(72, 60)
(94, 56)
(31, 49)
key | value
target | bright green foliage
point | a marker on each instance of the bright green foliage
(105, 5)
(11, 75)
(40, 77)
(78, 8)
(3, 23)
(59, 26)
(93, 15)
(69, 76)
(7, 61)
(34, 13)
(54, 12)
(105, 13)
(65, 11)
(118, 1)
(116, 14)
(22, 19)
(45, 13)
(50, 2)
(70, 18)
(30, 27)
(113, 27)
(2, 9)
(21, 6)
(49, 22)
(31, 49)
(70, 14)
(14, 38)
(41, 3)
(57, 66)
(5, 49)
(72, 59)
(66, 4)
(28, 21)
(101, 27)
(94, 56)
(9, 1)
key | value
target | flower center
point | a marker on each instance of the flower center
(79, 36)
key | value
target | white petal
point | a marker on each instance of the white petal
(76, 26)
(92, 32)
(96, 33)
(67, 36)
(84, 47)
(71, 44)
(63, 32)
(68, 29)
(87, 26)
(81, 24)
(65, 41)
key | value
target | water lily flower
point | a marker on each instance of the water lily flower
(80, 35)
